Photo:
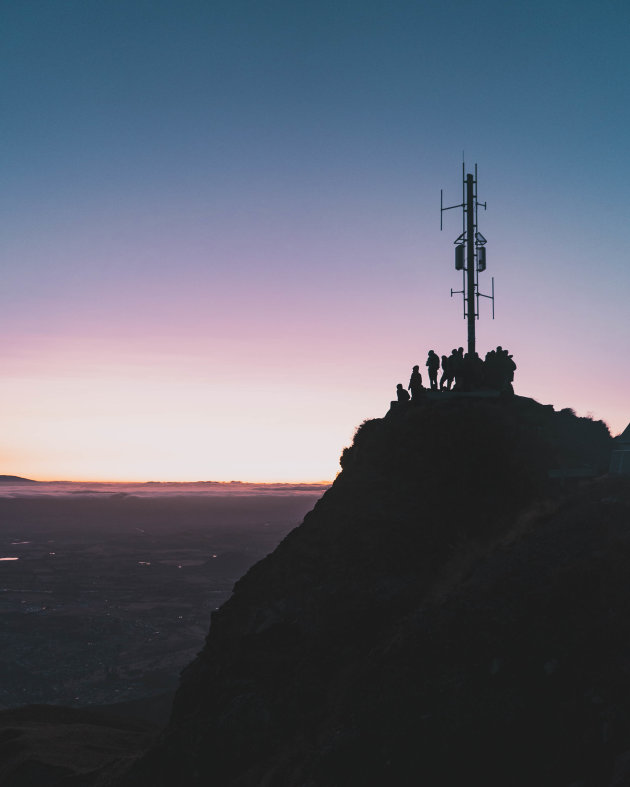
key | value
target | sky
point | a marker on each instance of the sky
(219, 221)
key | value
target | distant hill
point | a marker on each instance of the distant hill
(16, 479)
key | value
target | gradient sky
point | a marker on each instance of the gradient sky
(220, 232)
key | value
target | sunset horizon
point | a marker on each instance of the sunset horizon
(221, 228)
(183, 482)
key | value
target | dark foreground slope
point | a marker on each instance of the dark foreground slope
(442, 617)
(47, 745)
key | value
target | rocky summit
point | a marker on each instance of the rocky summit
(454, 610)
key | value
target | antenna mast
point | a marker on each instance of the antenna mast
(470, 253)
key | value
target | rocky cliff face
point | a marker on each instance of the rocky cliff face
(443, 616)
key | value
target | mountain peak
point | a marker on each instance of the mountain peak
(358, 652)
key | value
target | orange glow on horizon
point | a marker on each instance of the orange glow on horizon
(133, 481)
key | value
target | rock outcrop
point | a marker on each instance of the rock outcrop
(445, 615)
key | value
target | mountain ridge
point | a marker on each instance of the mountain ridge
(453, 609)
(342, 657)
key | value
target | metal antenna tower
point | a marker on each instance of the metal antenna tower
(470, 253)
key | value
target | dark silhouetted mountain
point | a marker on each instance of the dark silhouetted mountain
(16, 479)
(445, 615)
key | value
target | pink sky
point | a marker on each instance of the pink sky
(220, 224)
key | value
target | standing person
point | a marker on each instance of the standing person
(453, 366)
(447, 376)
(415, 384)
(509, 367)
(457, 362)
(490, 373)
(433, 364)
(504, 369)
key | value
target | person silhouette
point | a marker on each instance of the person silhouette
(477, 369)
(401, 394)
(508, 367)
(458, 369)
(415, 383)
(447, 374)
(433, 364)
(491, 371)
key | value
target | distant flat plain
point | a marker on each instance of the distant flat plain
(106, 590)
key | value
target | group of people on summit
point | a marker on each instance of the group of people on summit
(462, 372)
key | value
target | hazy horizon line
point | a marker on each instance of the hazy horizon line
(11, 476)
